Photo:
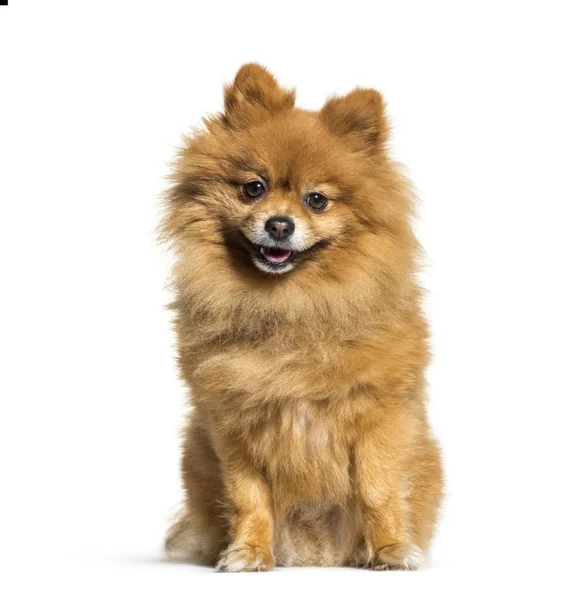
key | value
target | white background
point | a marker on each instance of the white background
(94, 97)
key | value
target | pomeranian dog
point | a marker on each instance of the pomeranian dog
(301, 338)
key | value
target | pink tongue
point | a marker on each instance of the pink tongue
(275, 255)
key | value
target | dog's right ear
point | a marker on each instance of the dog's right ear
(359, 117)
(254, 95)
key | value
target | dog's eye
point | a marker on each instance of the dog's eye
(316, 201)
(254, 189)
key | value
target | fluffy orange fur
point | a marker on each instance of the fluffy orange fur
(308, 441)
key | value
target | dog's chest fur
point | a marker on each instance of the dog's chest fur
(295, 412)
(302, 452)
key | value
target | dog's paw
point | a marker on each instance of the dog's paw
(243, 557)
(397, 557)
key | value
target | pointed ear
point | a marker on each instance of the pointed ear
(359, 117)
(254, 95)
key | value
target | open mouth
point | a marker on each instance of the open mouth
(273, 259)
(276, 256)
(277, 259)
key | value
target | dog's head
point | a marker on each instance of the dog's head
(277, 190)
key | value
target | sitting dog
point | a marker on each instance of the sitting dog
(301, 338)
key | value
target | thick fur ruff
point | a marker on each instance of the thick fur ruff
(308, 442)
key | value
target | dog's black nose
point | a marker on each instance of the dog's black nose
(279, 228)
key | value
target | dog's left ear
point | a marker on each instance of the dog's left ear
(254, 95)
(359, 117)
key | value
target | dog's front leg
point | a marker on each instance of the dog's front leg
(250, 515)
(381, 479)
